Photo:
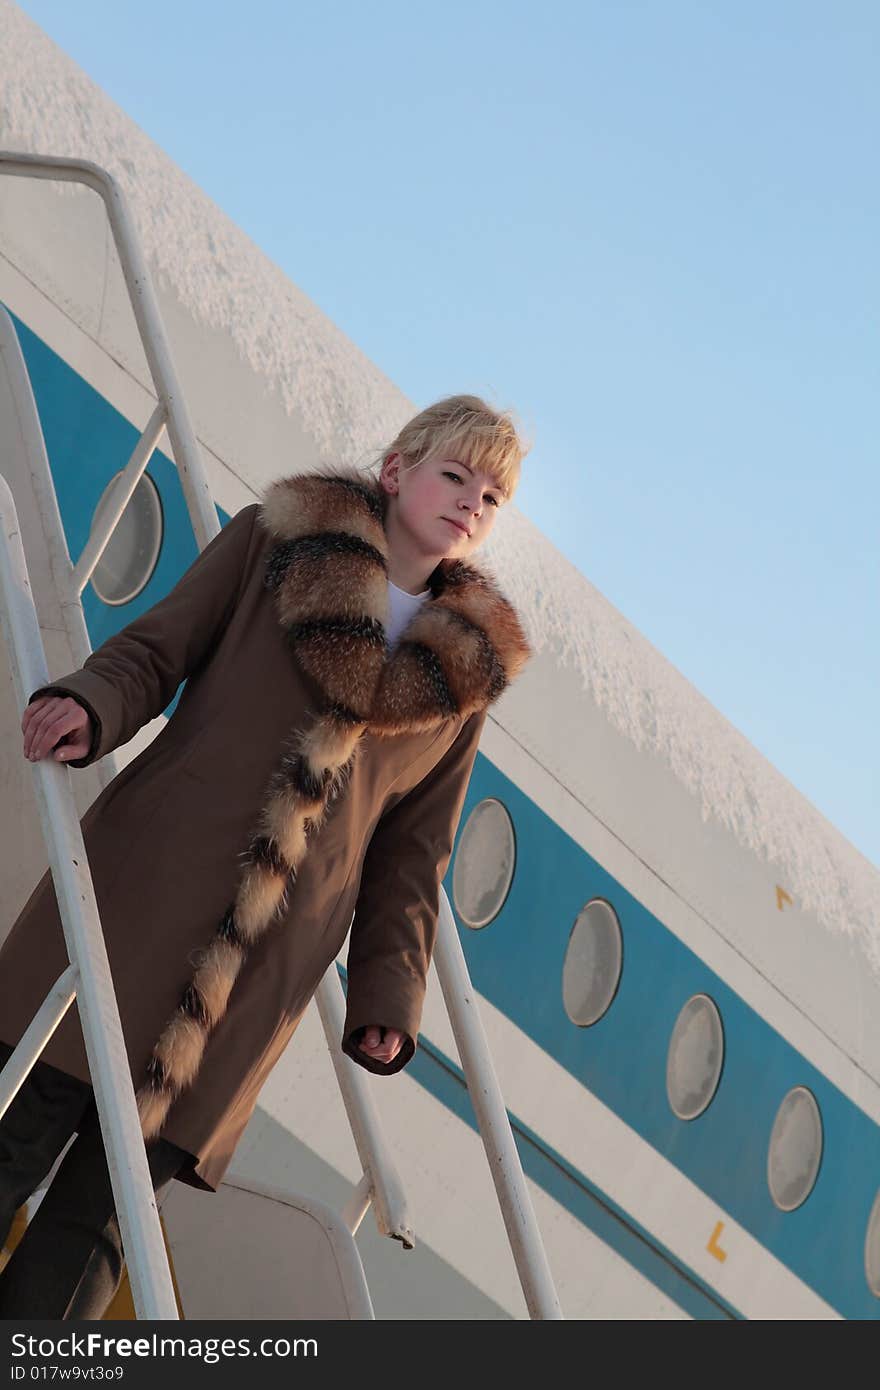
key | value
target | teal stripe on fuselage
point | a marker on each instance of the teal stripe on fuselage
(517, 963)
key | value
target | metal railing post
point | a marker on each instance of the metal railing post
(383, 1184)
(119, 499)
(151, 1284)
(184, 445)
(35, 1037)
(492, 1118)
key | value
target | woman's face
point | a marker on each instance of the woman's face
(447, 509)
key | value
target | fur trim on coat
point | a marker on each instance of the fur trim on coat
(328, 573)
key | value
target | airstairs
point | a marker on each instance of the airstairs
(321, 1274)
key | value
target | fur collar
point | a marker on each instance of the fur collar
(328, 569)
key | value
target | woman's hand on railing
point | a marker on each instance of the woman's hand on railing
(56, 724)
(382, 1044)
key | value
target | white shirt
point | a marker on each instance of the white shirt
(402, 608)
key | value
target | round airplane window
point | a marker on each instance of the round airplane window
(129, 560)
(695, 1057)
(593, 963)
(872, 1248)
(484, 863)
(795, 1150)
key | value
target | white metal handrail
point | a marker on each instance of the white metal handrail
(35, 1037)
(380, 1183)
(126, 483)
(493, 1120)
(151, 1284)
(184, 446)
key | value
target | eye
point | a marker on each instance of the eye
(457, 478)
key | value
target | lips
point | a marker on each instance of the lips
(457, 524)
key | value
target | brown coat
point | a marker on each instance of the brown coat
(277, 629)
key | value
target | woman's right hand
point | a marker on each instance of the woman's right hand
(54, 719)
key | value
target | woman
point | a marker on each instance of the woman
(340, 655)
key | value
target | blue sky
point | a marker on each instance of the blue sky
(652, 229)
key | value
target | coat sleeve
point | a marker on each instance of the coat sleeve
(395, 919)
(134, 675)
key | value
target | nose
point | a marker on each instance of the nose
(471, 504)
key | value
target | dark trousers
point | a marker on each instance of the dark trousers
(68, 1264)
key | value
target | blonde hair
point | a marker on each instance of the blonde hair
(468, 428)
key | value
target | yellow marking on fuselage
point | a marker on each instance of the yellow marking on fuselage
(713, 1247)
